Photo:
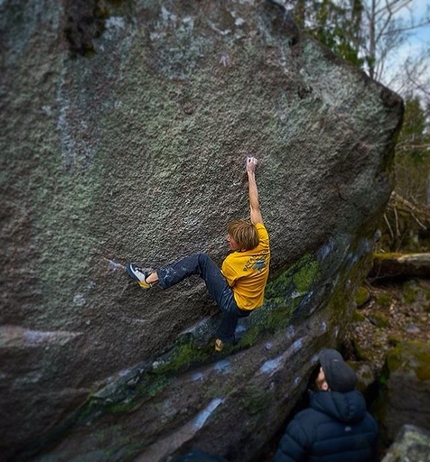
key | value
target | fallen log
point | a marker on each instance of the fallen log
(398, 265)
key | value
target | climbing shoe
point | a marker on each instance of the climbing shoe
(138, 275)
(219, 344)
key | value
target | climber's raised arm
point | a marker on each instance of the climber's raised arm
(254, 206)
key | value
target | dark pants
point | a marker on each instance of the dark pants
(219, 290)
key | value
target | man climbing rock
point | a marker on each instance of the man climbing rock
(238, 288)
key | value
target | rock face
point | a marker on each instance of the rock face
(407, 367)
(124, 131)
(411, 443)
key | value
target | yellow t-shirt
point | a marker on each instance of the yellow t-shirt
(247, 272)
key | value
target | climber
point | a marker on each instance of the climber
(238, 288)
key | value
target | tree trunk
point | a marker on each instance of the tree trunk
(428, 190)
(371, 59)
(400, 266)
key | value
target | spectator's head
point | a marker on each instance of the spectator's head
(242, 235)
(334, 374)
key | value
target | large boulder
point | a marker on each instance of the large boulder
(124, 131)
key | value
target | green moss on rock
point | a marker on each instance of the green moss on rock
(410, 356)
(357, 316)
(383, 299)
(306, 275)
(362, 354)
(297, 278)
(379, 319)
(361, 296)
(182, 356)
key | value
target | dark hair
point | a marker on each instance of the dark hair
(244, 233)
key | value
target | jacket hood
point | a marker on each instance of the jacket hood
(347, 407)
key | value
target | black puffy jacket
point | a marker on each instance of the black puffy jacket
(335, 428)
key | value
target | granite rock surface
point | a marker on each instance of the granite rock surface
(125, 126)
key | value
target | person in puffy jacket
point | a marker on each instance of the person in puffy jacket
(336, 427)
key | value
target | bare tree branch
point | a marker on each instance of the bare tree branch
(409, 28)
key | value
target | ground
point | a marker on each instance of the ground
(394, 312)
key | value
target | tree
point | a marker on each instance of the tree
(413, 153)
(406, 223)
(414, 78)
(364, 32)
(332, 19)
(335, 23)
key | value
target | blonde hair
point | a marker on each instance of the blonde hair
(244, 233)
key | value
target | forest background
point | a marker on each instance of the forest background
(390, 41)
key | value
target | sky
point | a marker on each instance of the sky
(417, 43)
(422, 35)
